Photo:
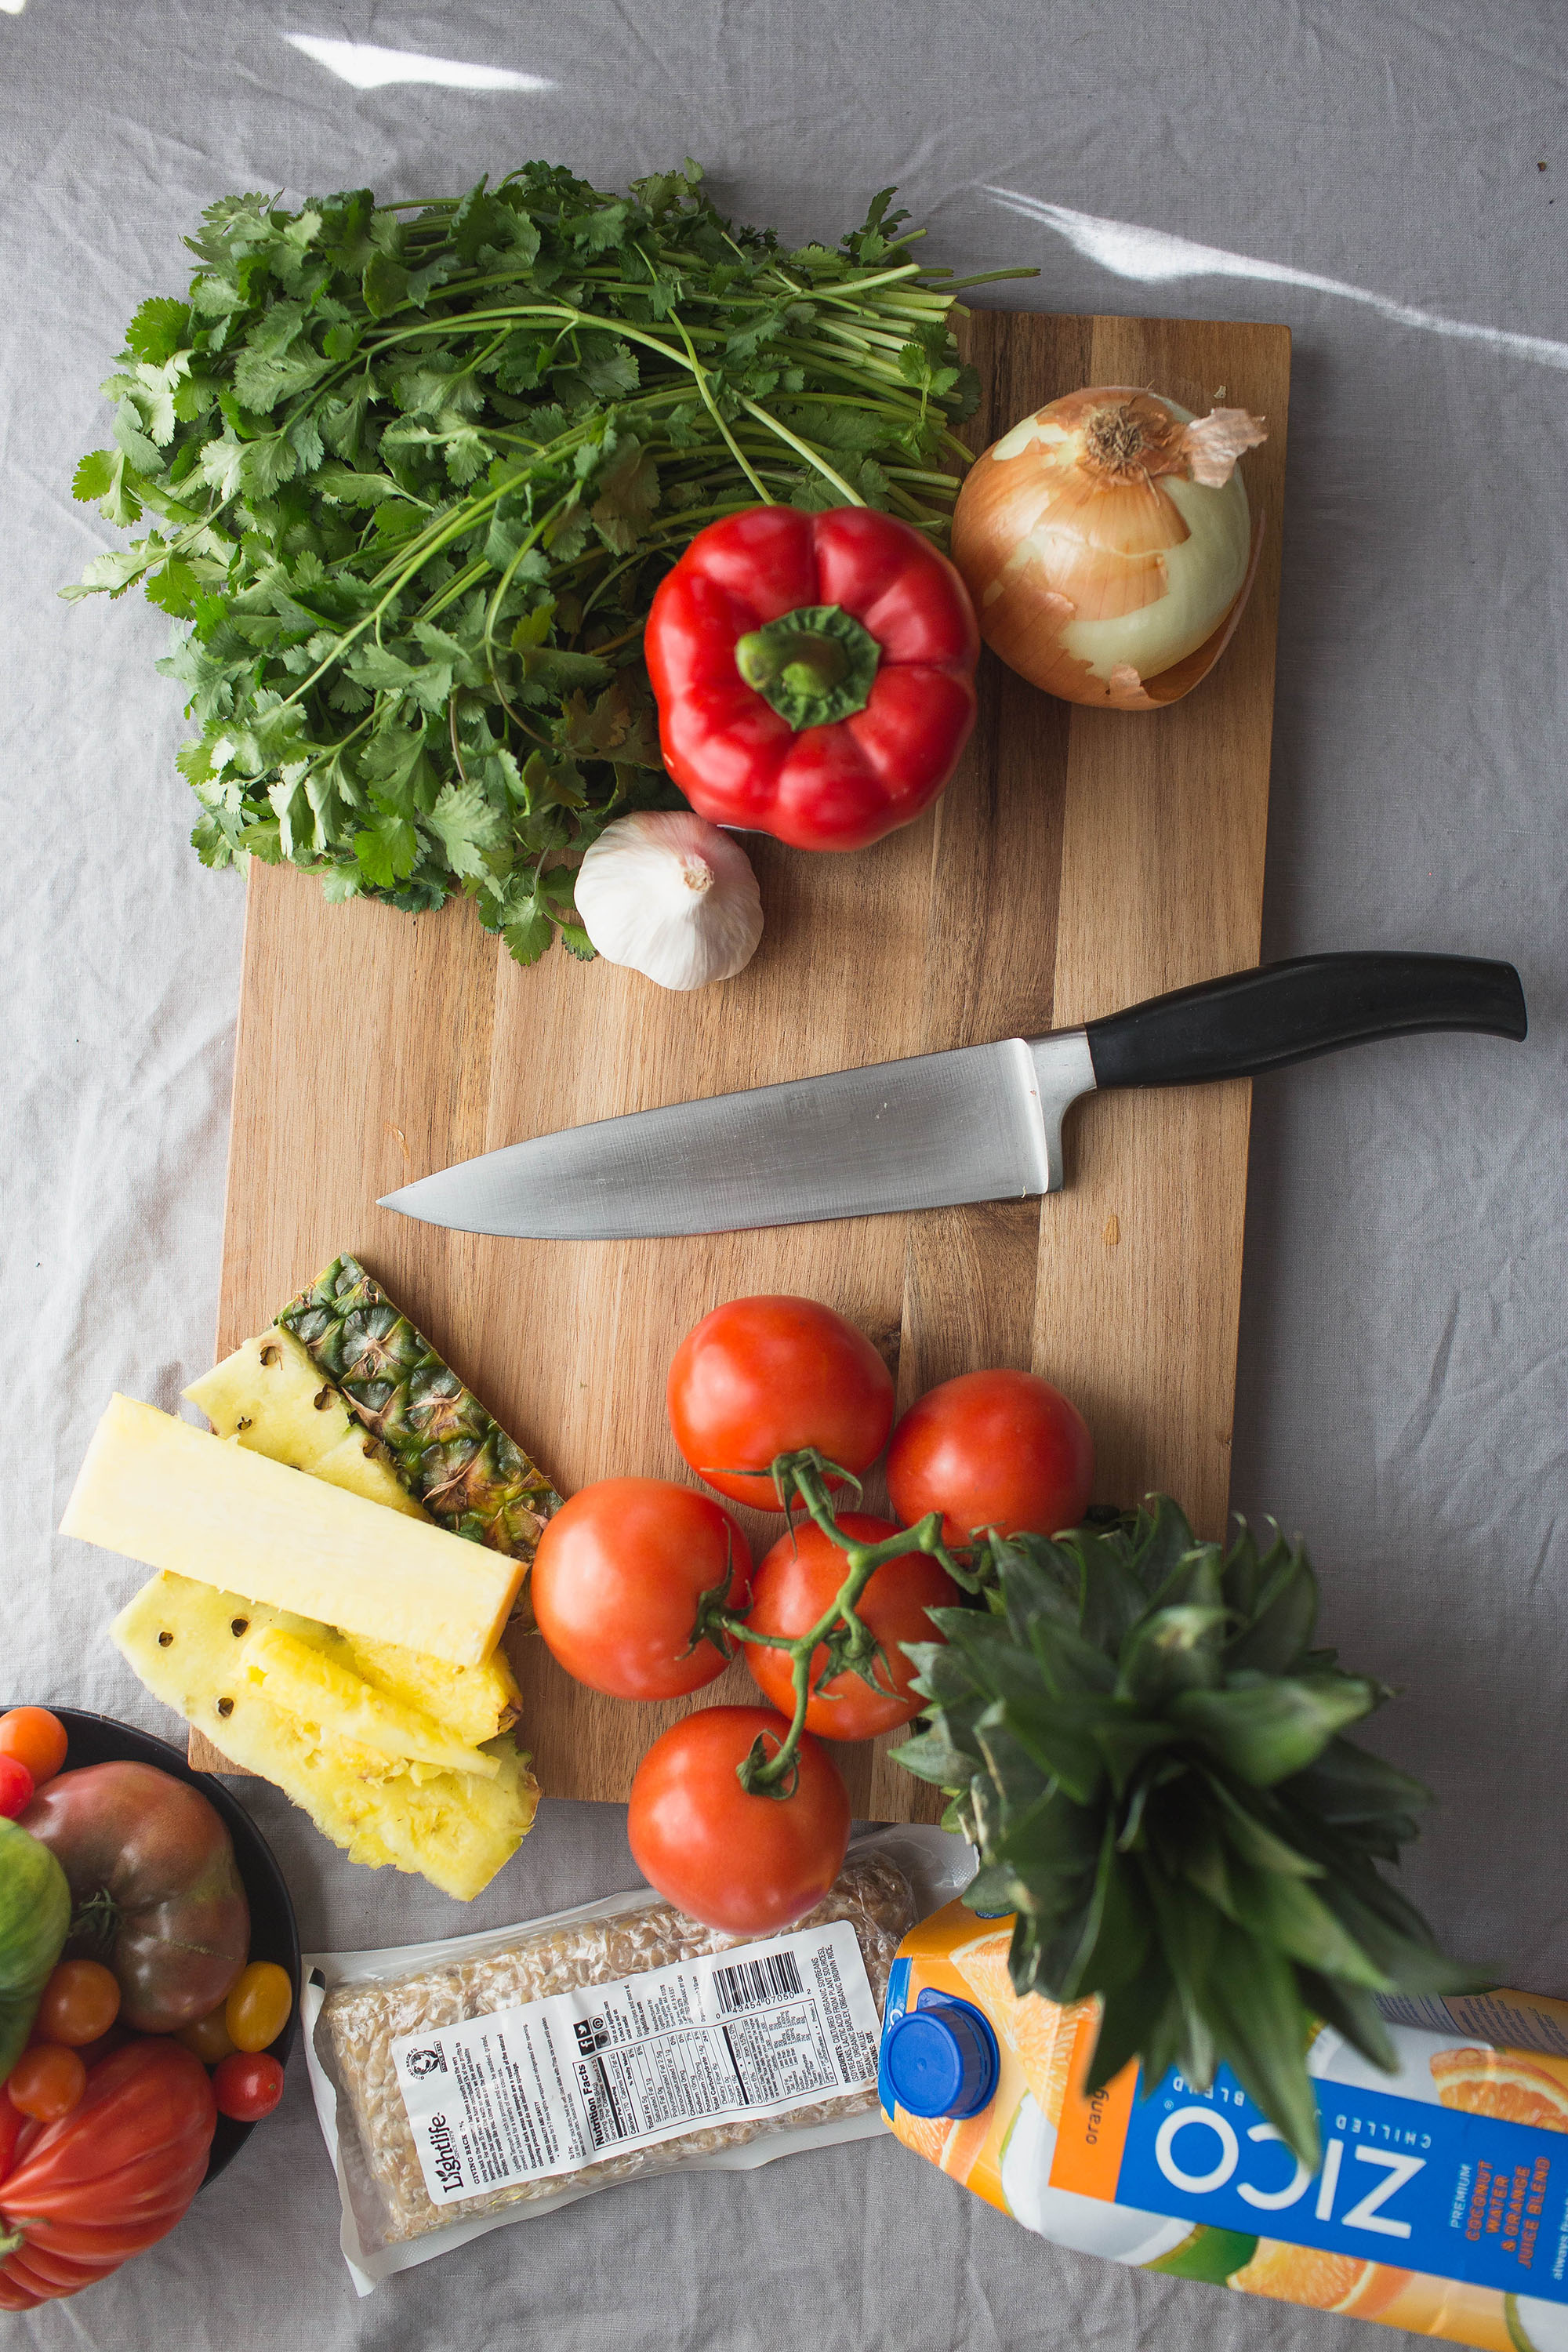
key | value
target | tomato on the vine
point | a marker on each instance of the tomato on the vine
(746, 1865)
(36, 1738)
(1002, 1450)
(80, 2001)
(617, 1579)
(794, 1588)
(761, 1377)
(45, 2082)
(247, 2085)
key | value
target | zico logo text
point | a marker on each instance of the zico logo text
(1199, 2152)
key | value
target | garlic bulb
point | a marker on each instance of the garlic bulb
(1108, 545)
(670, 895)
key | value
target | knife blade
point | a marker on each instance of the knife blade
(975, 1123)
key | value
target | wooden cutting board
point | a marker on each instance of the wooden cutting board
(1081, 860)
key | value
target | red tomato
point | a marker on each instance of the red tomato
(80, 2002)
(45, 2082)
(1002, 1450)
(16, 1785)
(767, 1376)
(794, 1586)
(617, 1579)
(744, 1864)
(11, 2125)
(36, 1738)
(247, 2085)
(112, 2177)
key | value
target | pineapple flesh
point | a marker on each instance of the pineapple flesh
(187, 1640)
(270, 1395)
(309, 1683)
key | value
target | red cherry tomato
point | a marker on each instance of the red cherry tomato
(1002, 1450)
(761, 1377)
(80, 2002)
(16, 1785)
(745, 1864)
(794, 1586)
(247, 2085)
(36, 1738)
(45, 2082)
(617, 1579)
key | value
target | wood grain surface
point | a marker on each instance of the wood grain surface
(1081, 860)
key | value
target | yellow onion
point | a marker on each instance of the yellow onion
(1108, 545)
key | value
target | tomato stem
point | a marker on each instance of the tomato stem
(807, 1478)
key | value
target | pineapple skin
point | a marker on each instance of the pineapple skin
(184, 1639)
(310, 1682)
(469, 1475)
(270, 1395)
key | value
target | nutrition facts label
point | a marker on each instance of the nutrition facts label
(523, 2093)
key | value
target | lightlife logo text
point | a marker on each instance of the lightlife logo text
(449, 2165)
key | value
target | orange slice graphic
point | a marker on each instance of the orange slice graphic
(1500, 2083)
(1039, 2032)
(951, 2145)
(1323, 2282)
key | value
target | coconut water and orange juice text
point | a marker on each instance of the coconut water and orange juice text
(1440, 2205)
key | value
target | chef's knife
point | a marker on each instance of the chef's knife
(978, 1123)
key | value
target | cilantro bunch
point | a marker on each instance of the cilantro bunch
(412, 474)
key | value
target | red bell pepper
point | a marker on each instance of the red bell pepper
(814, 673)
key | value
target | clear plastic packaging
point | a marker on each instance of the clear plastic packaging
(479, 2007)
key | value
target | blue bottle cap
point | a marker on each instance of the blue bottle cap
(941, 2058)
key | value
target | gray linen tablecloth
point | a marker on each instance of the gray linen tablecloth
(1386, 178)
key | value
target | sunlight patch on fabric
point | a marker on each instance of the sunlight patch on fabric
(1154, 256)
(366, 67)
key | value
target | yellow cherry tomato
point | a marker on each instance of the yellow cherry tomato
(208, 2037)
(257, 2010)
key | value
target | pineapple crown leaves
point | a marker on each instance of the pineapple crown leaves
(1150, 1754)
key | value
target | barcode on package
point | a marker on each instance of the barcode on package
(528, 2093)
(747, 1984)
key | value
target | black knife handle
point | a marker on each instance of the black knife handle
(1281, 1013)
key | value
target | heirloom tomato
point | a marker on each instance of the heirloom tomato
(761, 1377)
(617, 1579)
(35, 1912)
(794, 1588)
(111, 2177)
(746, 1865)
(154, 1885)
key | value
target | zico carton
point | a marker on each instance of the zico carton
(1441, 2203)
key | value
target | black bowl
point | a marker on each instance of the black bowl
(274, 1935)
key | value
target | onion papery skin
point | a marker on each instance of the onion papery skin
(1117, 590)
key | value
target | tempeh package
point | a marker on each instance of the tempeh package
(464, 2084)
